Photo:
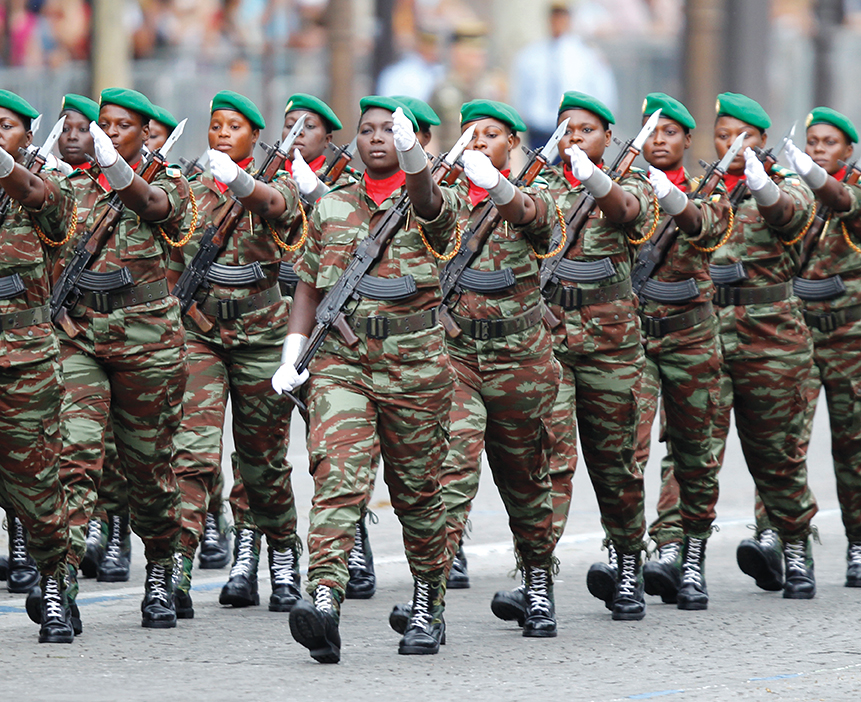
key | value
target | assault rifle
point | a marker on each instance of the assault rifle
(33, 159)
(457, 271)
(215, 236)
(341, 157)
(67, 291)
(654, 251)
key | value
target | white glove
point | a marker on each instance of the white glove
(593, 178)
(305, 178)
(7, 163)
(480, 170)
(814, 175)
(763, 188)
(106, 154)
(286, 379)
(672, 200)
(403, 132)
(226, 171)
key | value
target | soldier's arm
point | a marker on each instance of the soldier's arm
(269, 202)
(834, 195)
(617, 205)
(24, 187)
(302, 314)
(150, 203)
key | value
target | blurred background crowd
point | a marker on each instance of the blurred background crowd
(788, 54)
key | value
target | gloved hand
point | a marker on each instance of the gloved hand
(402, 130)
(814, 175)
(286, 379)
(593, 178)
(305, 178)
(672, 200)
(106, 154)
(480, 170)
(7, 163)
(226, 171)
(763, 188)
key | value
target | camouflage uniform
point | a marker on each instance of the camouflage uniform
(398, 387)
(506, 382)
(127, 366)
(598, 344)
(30, 378)
(236, 359)
(683, 367)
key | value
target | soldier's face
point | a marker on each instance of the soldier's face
(665, 148)
(76, 142)
(231, 133)
(726, 130)
(158, 134)
(827, 146)
(494, 139)
(13, 134)
(586, 131)
(376, 144)
(313, 140)
(127, 130)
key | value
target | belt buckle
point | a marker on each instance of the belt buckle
(102, 302)
(723, 293)
(378, 327)
(227, 309)
(826, 322)
(481, 329)
(572, 297)
(653, 327)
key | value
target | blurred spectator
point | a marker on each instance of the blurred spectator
(417, 73)
(549, 67)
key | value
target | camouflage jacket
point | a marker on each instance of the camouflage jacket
(23, 252)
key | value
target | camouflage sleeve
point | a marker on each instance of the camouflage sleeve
(285, 185)
(57, 213)
(539, 230)
(802, 200)
(715, 211)
(439, 230)
(175, 186)
(308, 263)
(854, 212)
(638, 185)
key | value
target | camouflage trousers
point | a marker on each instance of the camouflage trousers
(602, 368)
(683, 369)
(140, 395)
(349, 410)
(30, 400)
(837, 368)
(501, 405)
(261, 420)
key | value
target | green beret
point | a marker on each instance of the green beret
(670, 108)
(744, 108)
(423, 113)
(387, 103)
(165, 117)
(825, 115)
(228, 100)
(482, 109)
(574, 100)
(303, 101)
(130, 99)
(79, 103)
(17, 104)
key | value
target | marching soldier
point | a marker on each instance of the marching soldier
(160, 128)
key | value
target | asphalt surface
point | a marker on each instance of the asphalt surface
(749, 644)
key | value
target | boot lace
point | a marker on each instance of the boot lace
(795, 556)
(244, 554)
(115, 539)
(421, 615)
(155, 582)
(537, 592)
(323, 599)
(211, 534)
(691, 569)
(94, 531)
(356, 561)
(176, 576)
(612, 557)
(855, 554)
(669, 553)
(768, 538)
(51, 599)
(283, 563)
(628, 575)
(19, 542)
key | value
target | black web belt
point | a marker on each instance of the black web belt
(661, 326)
(384, 327)
(484, 329)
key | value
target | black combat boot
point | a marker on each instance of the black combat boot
(315, 626)
(182, 586)
(853, 565)
(761, 559)
(116, 564)
(158, 609)
(55, 624)
(285, 579)
(360, 564)
(458, 576)
(33, 603)
(540, 608)
(601, 578)
(629, 600)
(96, 542)
(399, 617)
(23, 575)
(510, 605)
(693, 593)
(240, 590)
(800, 582)
(215, 544)
(426, 628)
(663, 576)
(4, 567)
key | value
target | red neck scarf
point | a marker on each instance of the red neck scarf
(730, 181)
(477, 194)
(379, 190)
(103, 181)
(243, 164)
(841, 174)
(677, 178)
(569, 174)
(315, 165)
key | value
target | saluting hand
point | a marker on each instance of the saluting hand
(671, 198)
(812, 173)
(480, 170)
(402, 130)
(222, 166)
(106, 154)
(757, 178)
(7, 163)
(305, 178)
(581, 166)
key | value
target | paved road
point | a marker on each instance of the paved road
(749, 645)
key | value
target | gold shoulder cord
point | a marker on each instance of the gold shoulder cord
(655, 220)
(73, 225)
(302, 239)
(852, 245)
(806, 227)
(725, 238)
(561, 219)
(442, 257)
(191, 227)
